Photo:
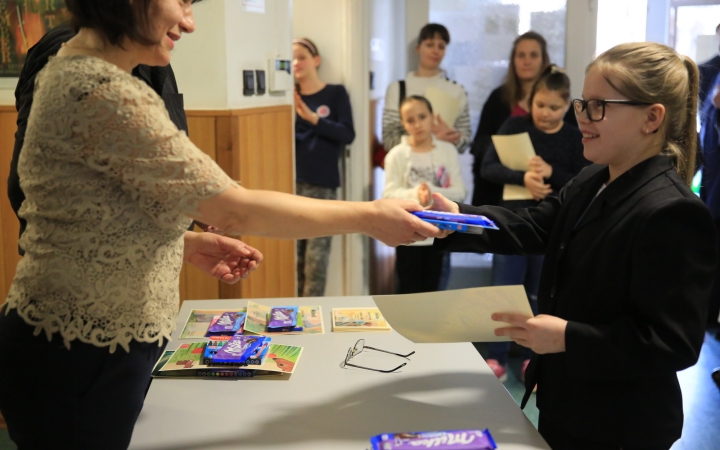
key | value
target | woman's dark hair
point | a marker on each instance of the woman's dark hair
(553, 79)
(431, 30)
(114, 19)
(513, 87)
(417, 98)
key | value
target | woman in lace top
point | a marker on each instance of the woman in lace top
(111, 186)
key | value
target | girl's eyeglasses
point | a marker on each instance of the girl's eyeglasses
(596, 108)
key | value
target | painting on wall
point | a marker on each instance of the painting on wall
(22, 24)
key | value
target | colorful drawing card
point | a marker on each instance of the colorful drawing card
(277, 359)
(280, 358)
(358, 319)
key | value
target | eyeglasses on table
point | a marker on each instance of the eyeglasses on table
(360, 346)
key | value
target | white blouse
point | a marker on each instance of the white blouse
(109, 182)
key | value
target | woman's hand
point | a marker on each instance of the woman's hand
(444, 132)
(390, 223)
(542, 333)
(536, 185)
(304, 111)
(221, 257)
(539, 166)
(423, 192)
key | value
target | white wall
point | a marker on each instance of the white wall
(388, 49)
(417, 15)
(581, 29)
(329, 38)
(199, 59)
(658, 21)
(7, 91)
(208, 64)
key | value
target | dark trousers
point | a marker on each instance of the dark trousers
(83, 398)
(509, 270)
(560, 440)
(313, 255)
(418, 269)
(714, 309)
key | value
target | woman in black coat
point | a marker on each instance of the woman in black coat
(528, 58)
(630, 257)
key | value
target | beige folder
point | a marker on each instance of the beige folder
(444, 104)
(514, 151)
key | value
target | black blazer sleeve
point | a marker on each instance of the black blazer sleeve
(522, 232)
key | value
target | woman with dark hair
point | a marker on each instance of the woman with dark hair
(431, 44)
(111, 185)
(528, 58)
(323, 127)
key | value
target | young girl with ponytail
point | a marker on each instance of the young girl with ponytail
(630, 255)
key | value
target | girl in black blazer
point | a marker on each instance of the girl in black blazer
(630, 255)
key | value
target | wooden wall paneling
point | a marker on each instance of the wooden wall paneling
(228, 151)
(9, 225)
(265, 137)
(195, 284)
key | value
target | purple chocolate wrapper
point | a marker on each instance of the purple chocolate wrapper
(237, 349)
(283, 316)
(436, 440)
(228, 322)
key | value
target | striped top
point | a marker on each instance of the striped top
(392, 129)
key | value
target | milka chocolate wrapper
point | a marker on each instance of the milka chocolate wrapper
(436, 440)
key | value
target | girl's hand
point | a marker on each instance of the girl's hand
(542, 333)
(538, 165)
(444, 132)
(440, 203)
(304, 112)
(536, 185)
(423, 192)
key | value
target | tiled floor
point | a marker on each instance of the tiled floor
(701, 396)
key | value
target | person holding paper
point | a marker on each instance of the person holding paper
(429, 81)
(630, 258)
(415, 168)
(111, 185)
(323, 127)
(528, 58)
(558, 158)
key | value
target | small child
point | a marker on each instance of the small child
(559, 150)
(414, 169)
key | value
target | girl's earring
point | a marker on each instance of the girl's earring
(647, 130)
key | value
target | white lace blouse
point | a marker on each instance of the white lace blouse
(109, 183)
